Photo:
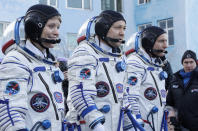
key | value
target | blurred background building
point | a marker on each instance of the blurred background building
(177, 17)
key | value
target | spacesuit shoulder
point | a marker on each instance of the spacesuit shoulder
(15, 64)
(83, 55)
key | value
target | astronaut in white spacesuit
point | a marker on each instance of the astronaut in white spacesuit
(31, 96)
(96, 75)
(146, 79)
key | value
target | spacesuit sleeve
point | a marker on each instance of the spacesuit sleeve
(14, 79)
(135, 73)
(82, 90)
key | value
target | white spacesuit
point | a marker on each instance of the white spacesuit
(146, 85)
(31, 96)
(31, 93)
(90, 89)
(96, 90)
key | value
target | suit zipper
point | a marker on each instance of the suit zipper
(157, 88)
(50, 94)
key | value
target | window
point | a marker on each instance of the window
(115, 5)
(143, 26)
(71, 42)
(167, 25)
(143, 1)
(82, 4)
(3, 26)
(49, 2)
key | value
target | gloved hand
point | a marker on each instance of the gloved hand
(99, 127)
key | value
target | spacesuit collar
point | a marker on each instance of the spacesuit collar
(152, 60)
(104, 46)
(35, 50)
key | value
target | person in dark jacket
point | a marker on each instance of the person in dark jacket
(183, 93)
(63, 67)
(167, 67)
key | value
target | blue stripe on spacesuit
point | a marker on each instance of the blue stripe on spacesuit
(133, 96)
(14, 57)
(80, 91)
(125, 128)
(14, 121)
(82, 65)
(11, 116)
(89, 101)
(135, 61)
(133, 102)
(80, 100)
(4, 117)
(2, 106)
(97, 121)
(10, 123)
(15, 111)
(6, 102)
(84, 100)
(88, 54)
(11, 111)
(78, 105)
(87, 110)
(79, 97)
(28, 70)
(39, 68)
(2, 68)
(14, 63)
(80, 51)
(38, 57)
(21, 66)
(136, 65)
(80, 110)
(145, 59)
(14, 108)
(17, 79)
(8, 110)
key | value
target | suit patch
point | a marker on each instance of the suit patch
(102, 89)
(119, 88)
(85, 73)
(12, 88)
(163, 93)
(39, 102)
(58, 97)
(132, 80)
(150, 93)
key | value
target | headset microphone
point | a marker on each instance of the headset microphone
(160, 51)
(114, 40)
(50, 41)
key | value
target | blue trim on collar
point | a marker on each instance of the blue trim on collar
(37, 57)
(39, 68)
(145, 59)
(103, 51)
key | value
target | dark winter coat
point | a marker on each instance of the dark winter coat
(185, 99)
